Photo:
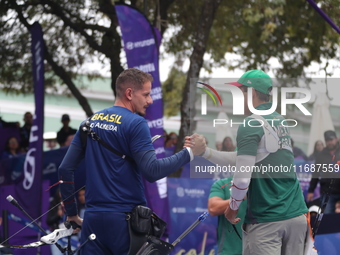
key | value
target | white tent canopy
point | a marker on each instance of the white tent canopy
(321, 121)
(223, 130)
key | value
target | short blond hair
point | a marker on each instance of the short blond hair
(132, 78)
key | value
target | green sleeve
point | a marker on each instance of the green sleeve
(221, 189)
(248, 137)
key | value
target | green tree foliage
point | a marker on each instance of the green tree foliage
(173, 89)
(75, 32)
(291, 31)
(78, 31)
(72, 36)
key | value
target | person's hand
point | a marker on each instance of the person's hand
(60, 211)
(231, 215)
(187, 142)
(310, 196)
(197, 143)
(77, 220)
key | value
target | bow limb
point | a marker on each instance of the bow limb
(34, 221)
(23, 246)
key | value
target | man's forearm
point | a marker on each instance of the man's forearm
(241, 180)
(66, 170)
(220, 157)
(154, 169)
(216, 208)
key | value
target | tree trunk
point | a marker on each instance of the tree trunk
(161, 18)
(61, 72)
(188, 111)
(111, 43)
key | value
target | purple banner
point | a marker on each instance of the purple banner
(188, 200)
(17, 233)
(28, 191)
(141, 44)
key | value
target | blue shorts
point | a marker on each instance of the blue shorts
(111, 230)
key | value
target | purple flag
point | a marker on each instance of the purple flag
(18, 233)
(28, 191)
(141, 44)
(324, 15)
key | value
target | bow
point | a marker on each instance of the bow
(51, 238)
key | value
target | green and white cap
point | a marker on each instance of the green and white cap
(256, 79)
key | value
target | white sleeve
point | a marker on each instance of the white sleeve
(220, 157)
(190, 152)
(241, 180)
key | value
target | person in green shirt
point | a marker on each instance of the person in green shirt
(275, 222)
(229, 243)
